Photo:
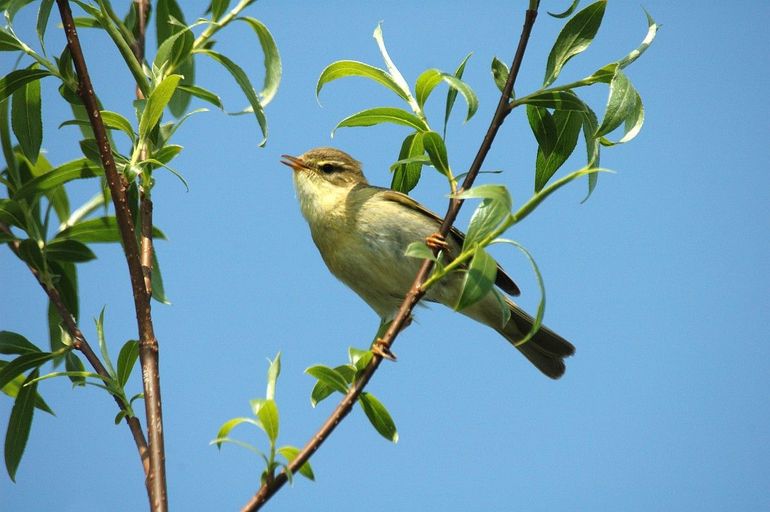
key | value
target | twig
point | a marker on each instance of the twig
(148, 345)
(80, 343)
(416, 291)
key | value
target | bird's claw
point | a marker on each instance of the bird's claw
(436, 241)
(380, 348)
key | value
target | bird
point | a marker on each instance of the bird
(362, 232)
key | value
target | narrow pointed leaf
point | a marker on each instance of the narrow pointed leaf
(68, 250)
(574, 38)
(268, 417)
(272, 59)
(42, 20)
(499, 73)
(26, 119)
(566, 13)
(555, 99)
(290, 453)
(127, 357)
(380, 115)
(378, 416)
(99, 230)
(14, 343)
(568, 125)
(156, 278)
(12, 390)
(19, 425)
(346, 68)
(328, 376)
(436, 149)
(16, 79)
(273, 371)
(156, 103)
(479, 279)
(23, 363)
(452, 93)
(204, 94)
(392, 69)
(407, 175)
(543, 127)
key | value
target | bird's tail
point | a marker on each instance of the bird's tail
(546, 350)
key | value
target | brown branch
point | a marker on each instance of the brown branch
(80, 343)
(415, 293)
(148, 344)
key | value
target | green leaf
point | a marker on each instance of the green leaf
(268, 418)
(543, 127)
(328, 376)
(156, 103)
(204, 94)
(68, 250)
(430, 78)
(16, 79)
(493, 211)
(574, 38)
(77, 169)
(245, 84)
(359, 358)
(290, 453)
(12, 390)
(174, 50)
(156, 280)
(14, 343)
(9, 42)
(566, 13)
(459, 86)
(426, 82)
(19, 425)
(420, 251)
(103, 344)
(568, 125)
(406, 175)
(26, 119)
(555, 99)
(378, 416)
(392, 69)
(273, 371)
(42, 20)
(590, 126)
(383, 115)
(75, 369)
(164, 26)
(10, 213)
(127, 357)
(29, 251)
(66, 280)
(452, 93)
(273, 67)
(227, 426)
(499, 73)
(624, 105)
(321, 390)
(478, 280)
(434, 146)
(218, 8)
(345, 68)
(652, 30)
(99, 230)
(23, 363)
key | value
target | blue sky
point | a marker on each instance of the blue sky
(660, 280)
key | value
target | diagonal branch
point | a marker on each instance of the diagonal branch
(148, 350)
(416, 291)
(81, 344)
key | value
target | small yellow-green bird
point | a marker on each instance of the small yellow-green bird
(362, 232)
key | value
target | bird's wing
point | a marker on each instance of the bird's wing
(502, 280)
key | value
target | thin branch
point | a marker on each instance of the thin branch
(80, 343)
(148, 343)
(416, 291)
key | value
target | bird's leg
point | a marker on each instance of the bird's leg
(380, 348)
(436, 242)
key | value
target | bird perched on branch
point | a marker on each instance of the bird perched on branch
(362, 232)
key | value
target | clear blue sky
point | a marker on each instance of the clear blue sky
(661, 281)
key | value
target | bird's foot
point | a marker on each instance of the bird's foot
(436, 242)
(380, 348)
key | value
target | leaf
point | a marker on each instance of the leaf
(499, 73)
(345, 68)
(543, 127)
(434, 146)
(14, 343)
(430, 78)
(624, 105)
(494, 209)
(23, 363)
(555, 99)
(392, 69)
(156, 281)
(290, 453)
(16, 79)
(127, 357)
(359, 359)
(165, 28)
(227, 426)
(273, 371)
(268, 418)
(328, 376)
(29, 251)
(245, 84)
(218, 8)
(19, 425)
(452, 93)
(407, 175)
(459, 86)
(77, 169)
(99, 230)
(378, 416)
(68, 250)
(156, 103)
(590, 126)
(75, 369)
(10, 213)
(652, 30)
(574, 38)
(273, 67)
(478, 280)
(12, 390)
(26, 119)
(321, 391)
(383, 115)
(201, 93)
(420, 251)
(568, 124)
(426, 82)
(566, 13)
(174, 50)
(65, 278)
(9, 42)
(42, 20)
(103, 344)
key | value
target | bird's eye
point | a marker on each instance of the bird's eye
(327, 168)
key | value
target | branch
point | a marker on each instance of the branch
(416, 291)
(148, 351)
(81, 344)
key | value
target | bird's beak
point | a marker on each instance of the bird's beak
(293, 162)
